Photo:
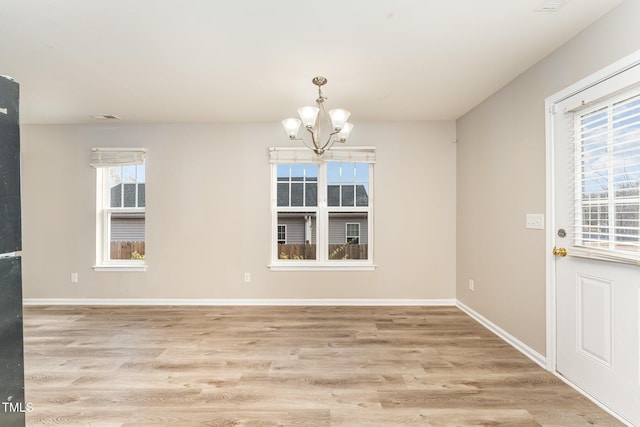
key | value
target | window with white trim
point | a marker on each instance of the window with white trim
(324, 204)
(121, 209)
(282, 234)
(352, 233)
(607, 176)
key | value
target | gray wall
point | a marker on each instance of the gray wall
(200, 239)
(501, 178)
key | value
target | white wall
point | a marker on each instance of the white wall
(501, 177)
(208, 213)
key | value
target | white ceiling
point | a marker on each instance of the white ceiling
(253, 60)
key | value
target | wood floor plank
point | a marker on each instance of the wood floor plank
(435, 418)
(301, 366)
(181, 417)
(327, 380)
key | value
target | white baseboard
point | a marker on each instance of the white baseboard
(229, 302)
(510, 339)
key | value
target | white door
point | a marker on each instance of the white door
(596, 148)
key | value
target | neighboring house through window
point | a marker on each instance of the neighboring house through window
(322, 208)
(121, 208)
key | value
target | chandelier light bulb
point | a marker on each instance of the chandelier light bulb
(292, 127)
(309, 115)
(343, 135)
(339, 117)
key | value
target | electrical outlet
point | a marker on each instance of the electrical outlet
(472, 285)
(247, 277)
(74, 277)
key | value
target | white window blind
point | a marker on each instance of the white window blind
(304, 155)
(607, 178)
(108, 157)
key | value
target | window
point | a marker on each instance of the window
(282, 234)
(607, 176)
(121, 209)
(322, 209)
(353, 233)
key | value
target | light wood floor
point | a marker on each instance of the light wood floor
(300, 366)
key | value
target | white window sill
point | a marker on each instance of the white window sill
(294, 266)
(120, 267)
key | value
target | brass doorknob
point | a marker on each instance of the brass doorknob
(559, 251)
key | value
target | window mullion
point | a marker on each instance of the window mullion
(304, 186)
(135, 193)
(107, 214)
(323, 216)
(290, 182)
(107, 236)
(121, 168)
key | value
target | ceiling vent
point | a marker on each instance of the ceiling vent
(104, 117)
(551, 6)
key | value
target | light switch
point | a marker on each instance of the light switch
(535, 221)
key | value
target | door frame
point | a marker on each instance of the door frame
(600, 76)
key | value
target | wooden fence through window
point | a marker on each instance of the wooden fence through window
(308, 251)
(123, 250)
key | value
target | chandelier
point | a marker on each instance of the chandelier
(324, 129)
